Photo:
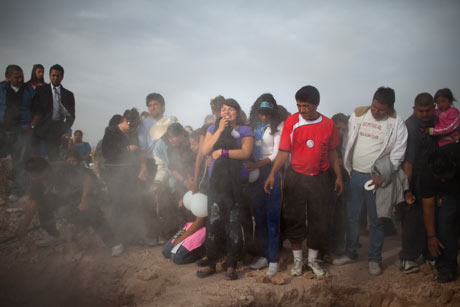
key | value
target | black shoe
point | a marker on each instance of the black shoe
(202, 262)
(446, 276)
(203, 274)
(231, 275)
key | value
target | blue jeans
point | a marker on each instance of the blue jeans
(447, 223)
(20, 148)
(267, 208)
(357, 196)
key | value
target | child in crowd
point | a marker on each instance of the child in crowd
(447, 119)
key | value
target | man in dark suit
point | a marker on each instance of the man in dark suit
(55, 107)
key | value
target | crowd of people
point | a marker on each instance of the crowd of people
(261, 179)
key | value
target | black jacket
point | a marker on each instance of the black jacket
(43, 104)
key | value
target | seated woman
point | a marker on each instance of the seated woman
(187, 245)
(229, 142)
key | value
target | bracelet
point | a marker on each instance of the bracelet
(225, 153)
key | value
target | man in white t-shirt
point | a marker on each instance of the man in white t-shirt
(373, 132)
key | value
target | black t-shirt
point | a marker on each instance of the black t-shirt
(419, 145)
(62, 182)
(432, 187)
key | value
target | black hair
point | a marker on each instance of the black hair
(115, 120)
(33, 77)
(424, 100)
(36, 165)
(132, 116)
(58, 68)
(196, 134)
(284, 113)
(445, 92)
(81, 132)
(275, 117)
(216, 103)
(385, 95)
(174, 129)
(309, 94)
(156, 97)
(441, 162)
(340, 118)
(10, 69)
(145, 114)
(241, 118)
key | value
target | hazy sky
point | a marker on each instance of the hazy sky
(116, 52)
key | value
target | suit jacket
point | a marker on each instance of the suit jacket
(43, 104)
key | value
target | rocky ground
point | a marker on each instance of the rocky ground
(81, 272)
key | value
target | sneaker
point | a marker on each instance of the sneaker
(316, 268)
(408, 267)
(259, 264)
(342, 260)
(374, 268)
(13, 198)
(446, 276)
(296, 269)
(48, 240)
(272, 268)
(117, 250)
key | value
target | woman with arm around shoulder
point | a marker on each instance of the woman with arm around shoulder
(267, 123)
(229, 142)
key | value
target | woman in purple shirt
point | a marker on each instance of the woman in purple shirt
(229, 142)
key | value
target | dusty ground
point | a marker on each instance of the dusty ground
(82, 273)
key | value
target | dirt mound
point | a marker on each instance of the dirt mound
(81, 272)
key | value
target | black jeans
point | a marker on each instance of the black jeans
(223, 228)
(183, 255)
(48, 206)
(447, 225)
(413, 238)
(308, 198)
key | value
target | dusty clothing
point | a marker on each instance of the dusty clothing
(225, 199)
(58, 194)
(120, 174)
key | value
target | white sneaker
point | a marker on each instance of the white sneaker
(342, 260)
(117, 250)
(48, 240)
(374, 268)
(272, 268)
(315, 267)
(259, 264)
(408, 267)
(296, 269)
(13, 198)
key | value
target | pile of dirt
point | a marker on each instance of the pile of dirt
(81, 272)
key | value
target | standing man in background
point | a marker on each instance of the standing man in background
(56, 112)
(16, 116)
